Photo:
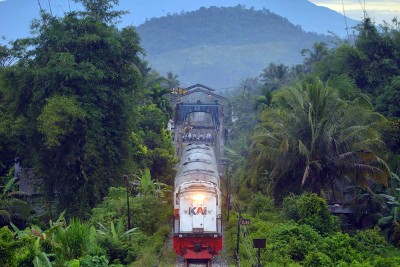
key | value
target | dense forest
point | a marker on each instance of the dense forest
(83, 111)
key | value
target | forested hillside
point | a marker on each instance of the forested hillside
(221, 45)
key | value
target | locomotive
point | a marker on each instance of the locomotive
(197, 205)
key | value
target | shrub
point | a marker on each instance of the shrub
(292, 240)
(15, 252)
(7, 247)
(149, 213)
(370, 242)
(93, 261)
(311, 210)
(386, 262)
(260, 203)
(339, 247)
(314, 259)
(72, 242)
(290, 207)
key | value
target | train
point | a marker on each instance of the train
(197, 223)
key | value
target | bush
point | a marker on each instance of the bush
(292, 240)
(260, 203)
(311, 210)
(72, 242)
(149, 213)
(315, 259)
(93, 261)
(7, 247)
(339, 247)
(386, 262)
(15, 252)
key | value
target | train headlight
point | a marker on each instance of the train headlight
(215, 236)
(180, 236)
(198, 197)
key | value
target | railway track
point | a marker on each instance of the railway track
(215, 262)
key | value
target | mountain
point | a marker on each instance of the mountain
(16, 15)
(311, 17)
(219, 46)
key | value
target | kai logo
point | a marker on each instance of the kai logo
(197, 210)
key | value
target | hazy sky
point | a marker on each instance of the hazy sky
(377, 10)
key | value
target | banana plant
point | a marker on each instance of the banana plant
(115, 232)
(41, 258)
(147, 186)
(391, 223)
(12, 208)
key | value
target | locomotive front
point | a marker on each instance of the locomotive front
(197, 204)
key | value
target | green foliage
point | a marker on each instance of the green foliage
(153, 143)
(93, 261)
(293, 241)
(7, 247)
(149, 213)
(291, 244)
(148, 254)
(340, 247)
(386, 102)
(13, 208)
(111, 208)
(77, 86)
(15, 252)
(371, 241)
(260, 203)
(317, 259)
(311, 210)
(311, 139)
(116, 233)
(72, 242)
(59, 118)
(372, 63)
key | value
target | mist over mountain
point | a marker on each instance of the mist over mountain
(16, 15)
(220, 46)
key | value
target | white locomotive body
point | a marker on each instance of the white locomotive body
(197, 204)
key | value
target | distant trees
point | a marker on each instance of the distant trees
(372, 62)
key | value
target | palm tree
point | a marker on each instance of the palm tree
(171, 81)
(275, 75)
(314, 55)
(312, 139)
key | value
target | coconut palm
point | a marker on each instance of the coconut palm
(312, 139)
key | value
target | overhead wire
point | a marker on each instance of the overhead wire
(345, 21)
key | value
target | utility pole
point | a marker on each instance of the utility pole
(229, 191)
(238, 235)
(127, 201)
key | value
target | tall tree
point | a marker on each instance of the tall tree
(314, 55)
(77, 86)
